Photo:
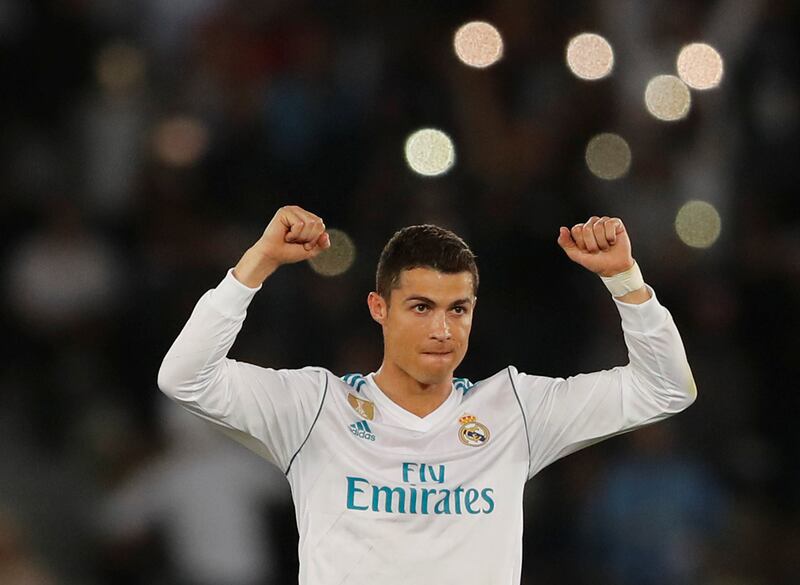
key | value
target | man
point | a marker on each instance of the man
(407, 475)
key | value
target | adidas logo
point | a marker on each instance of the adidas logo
(361, 430)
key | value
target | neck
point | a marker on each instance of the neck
(410, 394)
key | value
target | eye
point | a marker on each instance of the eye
(460, 310)
(420, 308)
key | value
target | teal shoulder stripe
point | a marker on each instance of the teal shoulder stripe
(357, 381)
(463, 384)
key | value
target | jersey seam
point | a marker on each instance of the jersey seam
(313, 424)
(524, 419)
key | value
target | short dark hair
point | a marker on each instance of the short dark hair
(423, 246)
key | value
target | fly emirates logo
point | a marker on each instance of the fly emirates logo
(420, 493)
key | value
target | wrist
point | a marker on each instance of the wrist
(622, 283)
(616, 270)
(254, 267)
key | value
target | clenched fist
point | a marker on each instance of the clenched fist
(292, 235)
(600, 245)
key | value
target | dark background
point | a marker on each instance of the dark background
(107, 243)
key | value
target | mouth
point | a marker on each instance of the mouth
(437, 353)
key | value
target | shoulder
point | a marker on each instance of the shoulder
(311, 373)
(310, 379)
(510, 378)
(522, 380)
(496, 382)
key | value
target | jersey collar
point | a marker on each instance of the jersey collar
(396, 415)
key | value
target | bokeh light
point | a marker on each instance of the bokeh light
(430, 152)
(478, 44)
(667, 98)
(338, 258)
(700, 66)
(608, 156)
(119, 68)
(590, 56)
(180, 141)
(698, 224)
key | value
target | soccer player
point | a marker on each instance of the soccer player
(409, 475)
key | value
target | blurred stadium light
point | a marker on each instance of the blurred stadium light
(608, 156)
(338, 258)
(667, 98)
(430, 152)
(590, 56)
(478, 44)
(698, 224)
(700, 66)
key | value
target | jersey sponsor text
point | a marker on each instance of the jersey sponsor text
(410, 498)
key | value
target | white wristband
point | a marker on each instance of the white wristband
(624, 282)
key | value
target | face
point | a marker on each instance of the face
(426, 323)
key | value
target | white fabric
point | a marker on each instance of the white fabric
(405, 499)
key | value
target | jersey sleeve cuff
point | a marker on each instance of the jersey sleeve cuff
(231, 297)
(643, 317)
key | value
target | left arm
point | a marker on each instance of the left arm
(564, 415)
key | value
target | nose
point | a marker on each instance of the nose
(440, 328)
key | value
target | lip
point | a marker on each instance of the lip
(437, 353)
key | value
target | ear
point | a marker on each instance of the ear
(378, 307)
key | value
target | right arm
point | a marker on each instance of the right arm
(293, 235)
(270, 411)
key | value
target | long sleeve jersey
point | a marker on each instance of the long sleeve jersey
(382, 495)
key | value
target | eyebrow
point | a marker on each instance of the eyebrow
(433, 303)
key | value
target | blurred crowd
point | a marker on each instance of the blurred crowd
(146, 144)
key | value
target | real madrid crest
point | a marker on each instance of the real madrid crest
(363, 407)
(472, 432)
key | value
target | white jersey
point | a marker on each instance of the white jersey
(384, 496)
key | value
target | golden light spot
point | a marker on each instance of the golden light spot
(429, 152)
(698, 224)
(608, 156)
(700, 66)
(590, 56)
(478, 44)
(338, 258)
(119, 68)
(180, 141)
(667, 98)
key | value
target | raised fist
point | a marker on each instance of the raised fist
(600, 245)
(293, 235)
